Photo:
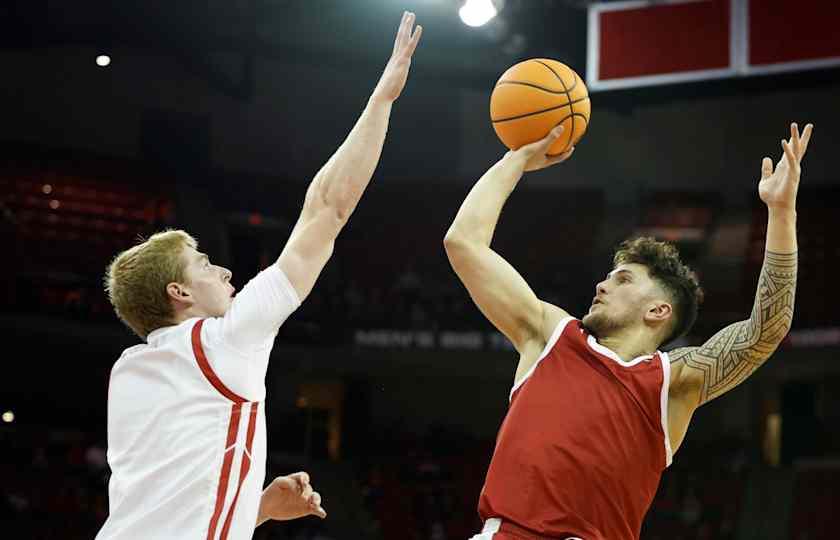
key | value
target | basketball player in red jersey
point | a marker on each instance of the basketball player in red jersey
(596, 411)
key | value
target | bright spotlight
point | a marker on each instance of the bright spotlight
(477, 12)
(8, 417)
(103, 60)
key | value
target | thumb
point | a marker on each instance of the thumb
(766, 168)
(542, 145)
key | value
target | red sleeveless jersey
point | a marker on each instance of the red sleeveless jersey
(584, 442)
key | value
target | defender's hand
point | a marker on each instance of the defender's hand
(393, 78)
(290, 497)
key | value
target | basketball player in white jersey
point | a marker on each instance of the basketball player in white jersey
(186, 418)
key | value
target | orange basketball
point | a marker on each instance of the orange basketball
(532, 97)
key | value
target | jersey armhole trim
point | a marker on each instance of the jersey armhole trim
(207, 370)
(558, 331)
(663, 405)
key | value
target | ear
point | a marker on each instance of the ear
(659, 312)
(179, 293)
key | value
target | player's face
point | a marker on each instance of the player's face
(208, 284)
(621, 300)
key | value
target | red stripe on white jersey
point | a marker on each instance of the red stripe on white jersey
(230, 448)
(243, 469)
(230, 444)
(205, 367)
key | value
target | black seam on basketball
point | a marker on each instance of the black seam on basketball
(585, 119)
(568, 98)
(532, 85)
(551, 69)
(574, 84)
(542, 111)
(570, 139)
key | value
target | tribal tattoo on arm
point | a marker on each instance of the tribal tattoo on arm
(734, 353)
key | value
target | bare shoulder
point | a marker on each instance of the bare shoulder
(551, 317)
(529, 351)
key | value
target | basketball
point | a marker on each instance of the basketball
(535, 95)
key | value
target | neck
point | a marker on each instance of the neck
(629, 343)
(191, 312)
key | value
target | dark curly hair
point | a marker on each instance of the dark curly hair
(665, 267)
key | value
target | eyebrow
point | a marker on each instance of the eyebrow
(623, 270)
(203, 258)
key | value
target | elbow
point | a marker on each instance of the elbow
(785, 331)
(460, 249)
(341, 212)
(338, 205)
(342, 200)
(454, 242)
(771, 341)
(784, 327)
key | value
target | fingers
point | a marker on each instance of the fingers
(407, 36)
(320, 512)
(560, 158)
(799, 142)
(407, 26)
(415, 39)
(314, 502)
(300, 479)
(542, 146)
(791, 157)
(766, 168)
(803, 143)
(404, 33)
(307, 492)
(401, 31)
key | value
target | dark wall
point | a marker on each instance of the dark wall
(704, 136)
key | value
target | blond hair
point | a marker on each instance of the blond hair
(136, 280)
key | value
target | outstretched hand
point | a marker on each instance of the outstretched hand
(393, 78)
(777, 188)
(534, 155)
(290, 497)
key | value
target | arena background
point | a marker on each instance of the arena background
(387, 385)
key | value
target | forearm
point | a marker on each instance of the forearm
(342, 180)
(772, 312)
(477, 218)
(781, 231)
(331, 198)
(734, 353)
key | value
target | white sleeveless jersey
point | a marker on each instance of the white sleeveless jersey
(186, 422)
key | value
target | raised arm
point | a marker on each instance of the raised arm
(733, 354)
(336, 189)
(495, 286)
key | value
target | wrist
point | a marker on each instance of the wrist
(514, 159)
(378, 99)
(261, 517)
(781, 212)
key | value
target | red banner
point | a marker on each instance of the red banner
(647, 42)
